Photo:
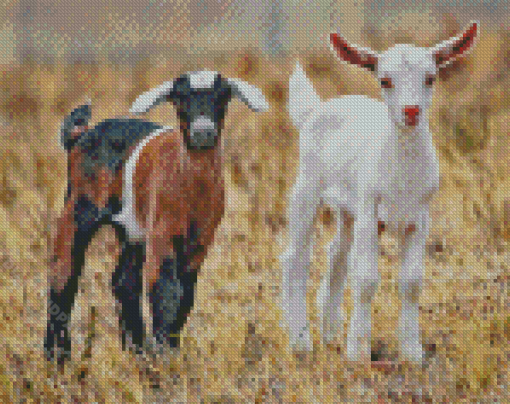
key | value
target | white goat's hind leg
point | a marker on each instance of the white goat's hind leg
(364, 282)
(330, 294)
(295, 262)
(410, 285)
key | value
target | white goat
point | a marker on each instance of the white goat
(371, 162)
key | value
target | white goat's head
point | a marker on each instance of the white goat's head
(406, 73)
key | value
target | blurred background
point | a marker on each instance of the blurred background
(55, 54)
(75, 31)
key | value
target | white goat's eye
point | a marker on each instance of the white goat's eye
(386, 83)
(430, 80)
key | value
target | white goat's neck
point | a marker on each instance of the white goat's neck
(414, 139)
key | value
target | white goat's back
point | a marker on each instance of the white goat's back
(345, 141)
(352, 122)
(302, 97)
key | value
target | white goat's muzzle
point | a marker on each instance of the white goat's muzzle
(411, 115)
(406, 120)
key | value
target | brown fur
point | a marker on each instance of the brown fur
(60, 264)
(103, 185)
(173, 187)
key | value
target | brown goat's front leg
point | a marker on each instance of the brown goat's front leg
(160, 254)
(211, 212)
(171, 287)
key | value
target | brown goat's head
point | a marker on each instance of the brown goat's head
(201, 99)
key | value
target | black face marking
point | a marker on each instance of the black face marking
(386, 83)
(192, 104)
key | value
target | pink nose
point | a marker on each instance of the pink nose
(411, 113)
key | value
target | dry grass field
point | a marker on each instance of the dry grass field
(233, 348)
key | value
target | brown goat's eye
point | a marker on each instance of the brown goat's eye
(386, 83)
(430, 80)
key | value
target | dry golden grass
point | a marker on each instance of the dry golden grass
(233, 347)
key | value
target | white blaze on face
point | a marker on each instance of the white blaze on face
(202, 79)
(203, 132)
(202, 123)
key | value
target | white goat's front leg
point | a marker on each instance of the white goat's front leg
(410, 285)
(364, 281)
(330, 294)
(295, 261)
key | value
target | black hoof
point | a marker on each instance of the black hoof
(57, 343)
(61, 352)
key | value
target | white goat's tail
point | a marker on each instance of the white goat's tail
(302, 97)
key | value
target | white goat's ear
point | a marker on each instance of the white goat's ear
(302, 97)
(250, 95)
(448, 51)
(350, 53)
(151, 98)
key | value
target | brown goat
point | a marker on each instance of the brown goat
(160, 189)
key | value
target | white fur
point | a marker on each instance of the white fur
(202, 79)
(358, 156)
(302, 91)
(446, 47)
(151, 98)
(250, 95)
(127, 217)
(202, 123)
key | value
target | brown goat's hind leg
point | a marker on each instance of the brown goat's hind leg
(60, 270)
(60, 264)
(75, 230)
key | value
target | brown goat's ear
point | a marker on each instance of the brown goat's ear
(250, 95)
(151, 98)
(349, 53)
(448, 51)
